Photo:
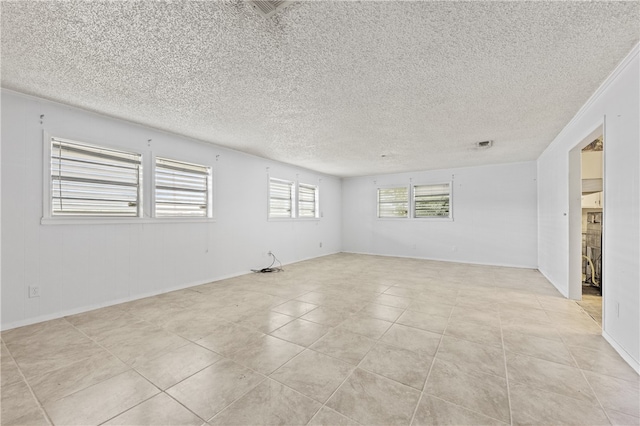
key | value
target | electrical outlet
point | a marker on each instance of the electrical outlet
(269, 253)
(320, 244)
(34, 291)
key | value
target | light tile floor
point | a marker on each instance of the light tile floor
(592, 302)
(340, 340)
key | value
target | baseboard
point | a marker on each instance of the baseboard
(624, 354)
(435, 259)
(564, 293)
(87, 308)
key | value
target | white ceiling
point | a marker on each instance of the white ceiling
(330, 86)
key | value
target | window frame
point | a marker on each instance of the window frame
(316, 200)
(432, 218)
(209, 215)
(293, 198)
(295, 185)
(383, 187)
(48, 217)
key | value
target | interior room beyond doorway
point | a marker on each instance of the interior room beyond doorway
(592, 212)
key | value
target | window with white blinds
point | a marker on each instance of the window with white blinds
(281, 198)
(182, 189)
(307, 201)
(393, 202)
(432, 201)
(88, 180)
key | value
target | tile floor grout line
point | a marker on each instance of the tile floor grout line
(190, 410)
(433, 361)
(466, 409)
(130, 368)
(69, 364)
(404, 310)
(26, 382)
(584, 376)
(239, 397)
(132, 407)
(359, 362)
(506, 369)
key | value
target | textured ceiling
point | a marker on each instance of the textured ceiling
(330, 86)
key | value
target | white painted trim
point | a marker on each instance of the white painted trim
(624, 354)
(88, 308)
(554, 286)
(412, 201)
(120, 221)
(574, 210)
(435, 259)
(62, 314)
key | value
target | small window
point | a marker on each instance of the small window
(182, 189)
(88, 180)
(307, 201)
(393, 202)
(432, 201)
(280, 199)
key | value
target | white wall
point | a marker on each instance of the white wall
(494, 209)
(82, 266)
(618, 99)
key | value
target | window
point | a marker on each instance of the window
(307, 201)
(280, 199)
(182, 189)
(88, 180)
(432, 201)
(393, 202)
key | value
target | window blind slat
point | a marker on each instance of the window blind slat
(307, 200)
(76, 150)
(181, 189)
(432, 200)
(280, 199)
(393, 202)
(88, 180)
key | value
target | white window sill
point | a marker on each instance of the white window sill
(417, 219)
(121, 221)
(293, 219)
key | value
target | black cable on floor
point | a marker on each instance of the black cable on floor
(270, 268)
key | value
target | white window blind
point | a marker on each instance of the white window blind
(307, 201)
(280, 199)
(393, 202)
(182, 189)
(432, 200)
(89, 180)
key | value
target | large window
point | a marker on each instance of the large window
(88, 180)
(291, 200)
(182, 189)
(307, 201)
(281, 196)
(393, 202)
(432, 201)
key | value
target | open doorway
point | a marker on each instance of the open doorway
(586, 223)
(591, 226)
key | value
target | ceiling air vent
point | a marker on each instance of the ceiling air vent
(484, 144)
(268, 8)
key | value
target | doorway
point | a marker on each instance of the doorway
(586, 213)
(592, 210)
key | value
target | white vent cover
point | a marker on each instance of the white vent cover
(268, 8)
